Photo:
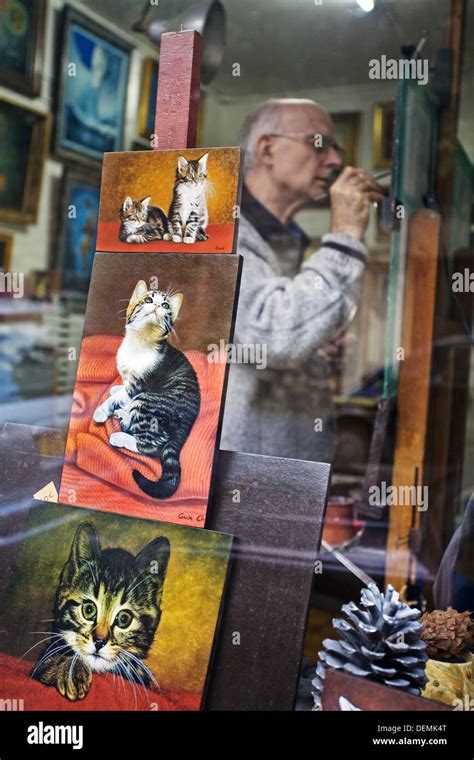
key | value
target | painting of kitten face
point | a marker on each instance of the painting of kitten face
(159, 401)
(106, 614)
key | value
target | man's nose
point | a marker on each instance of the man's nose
(333, 158)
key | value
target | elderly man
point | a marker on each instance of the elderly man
(288, 311)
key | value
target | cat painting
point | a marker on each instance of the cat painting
(170, 200)
(160, 398)
(106, 613)
(188, 216)
(140, 222)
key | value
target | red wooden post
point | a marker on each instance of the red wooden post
(177, 100)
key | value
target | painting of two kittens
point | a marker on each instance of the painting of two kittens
(187, 218)
(167, 201)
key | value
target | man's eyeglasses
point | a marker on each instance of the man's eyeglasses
(321, 143)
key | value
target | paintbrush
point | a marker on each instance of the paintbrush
(335, 174)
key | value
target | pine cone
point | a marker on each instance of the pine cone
(447, 633)
(380, 642)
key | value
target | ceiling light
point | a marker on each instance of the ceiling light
(366, 5)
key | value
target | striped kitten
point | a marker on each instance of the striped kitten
(187, 216)
(140, 222)
(159, 400)
(106, 613)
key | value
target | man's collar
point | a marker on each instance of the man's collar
(267, 225)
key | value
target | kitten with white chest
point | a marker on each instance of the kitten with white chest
(160, 398)
(106, 614)
(188, 217)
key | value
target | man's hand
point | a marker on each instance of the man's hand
(338, 351)
(351, 195)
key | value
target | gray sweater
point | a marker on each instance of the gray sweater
(277, 404)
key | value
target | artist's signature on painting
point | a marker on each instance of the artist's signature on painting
(191, 518)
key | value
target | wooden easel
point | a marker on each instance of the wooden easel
(413, 392)
(177, 97)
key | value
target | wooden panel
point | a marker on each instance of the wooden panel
(30, 458)
(177, 100)
(369, 695)
(277, 524)
(414, 387)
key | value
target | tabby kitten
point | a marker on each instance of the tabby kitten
(140, 222)
(187, 216)
(159, 400)
(106, 613)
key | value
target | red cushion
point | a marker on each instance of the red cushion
(106, 693)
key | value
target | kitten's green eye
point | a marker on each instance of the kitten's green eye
(123, 619)
(148, 299)
(165, 305)
(89, 610)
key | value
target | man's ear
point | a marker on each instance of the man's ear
(264, 150)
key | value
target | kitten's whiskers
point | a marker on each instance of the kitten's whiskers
(145, 668)
(71, 668)
(52, 636)
(122, 668)
(49, 653)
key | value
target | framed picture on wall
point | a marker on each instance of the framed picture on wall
(77, 230)
(384, 115)
(22, 45)
(92, 89)
(6, 248)
(147, 105)
(23, 138)
(348, 136)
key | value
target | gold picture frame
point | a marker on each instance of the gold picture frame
(148, 87)
(25, 136)
(347, 125)
(6, 250)
(384, 115)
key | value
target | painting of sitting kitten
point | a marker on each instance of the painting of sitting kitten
(106, 613)
(160, 398)
(140, 222)
(188, 216)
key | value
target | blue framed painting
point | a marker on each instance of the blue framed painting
(92, 90)
(81, 194)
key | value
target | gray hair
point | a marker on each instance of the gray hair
(266, 120)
